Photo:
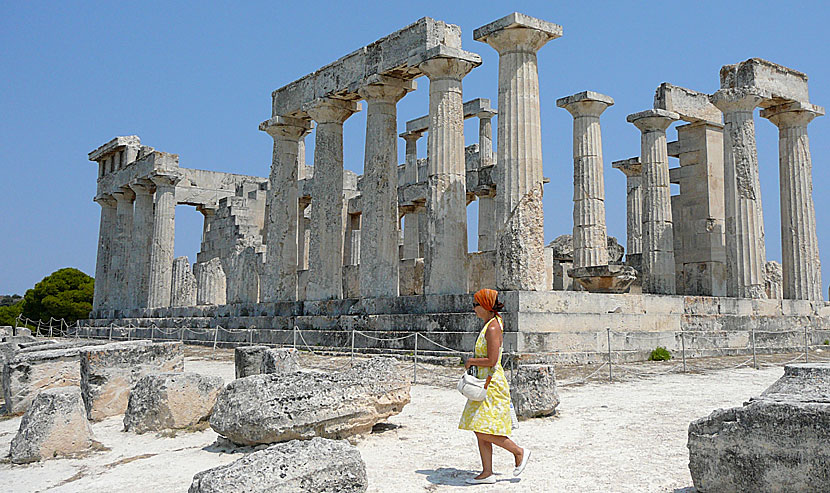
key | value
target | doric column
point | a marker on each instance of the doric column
(120, 263)
(486, 204)
(589, 234)
(183, 284)
(445, 261)
(745, 249)
(211, 283)
(485, 138)
(279, 280)
(799, 244)
(379, 221)
(106, 243)
(325, 276)
(164, 237)
(658, 266)
(303, 237)
(141, 244)
(410, 225)
(633, 205)
(519, 213)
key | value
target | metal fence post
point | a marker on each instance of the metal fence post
(683, 349)
(754, 352)
(610, 372)
(415, 362)
(806, 346)
(352, 362)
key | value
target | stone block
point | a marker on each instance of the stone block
(27, 374)
(5, 330)
(776, 81)
(280, 360)
(55, 425)
(270, 408)
(775, 442)
(160, 401)
(247, 360)
(692, 106)
(318, 465)
(481, 270)
(22, 339)
(533, 391)
(518, 20)
(108, 372)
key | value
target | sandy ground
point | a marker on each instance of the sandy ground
(627, 436)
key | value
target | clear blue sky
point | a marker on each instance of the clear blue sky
(196, 80)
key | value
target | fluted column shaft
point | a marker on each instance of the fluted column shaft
(379, 221)
(119, 290)
(142, 240)
(658, 236)
(325, 263)
(633, 205)
(164, 237)
(106, 243)
(411, 224)
(589, 233)
(745, 248)
(520, 263)
(801, 266)
(279, 280)
(445, 261)
(486, 204)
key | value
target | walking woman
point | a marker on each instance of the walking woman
(490, 418)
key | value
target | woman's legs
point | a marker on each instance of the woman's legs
(503, 442)
(485, 450)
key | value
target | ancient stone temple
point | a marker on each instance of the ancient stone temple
(319, 247)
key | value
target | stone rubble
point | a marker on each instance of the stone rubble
(533, 390)
(171, 400)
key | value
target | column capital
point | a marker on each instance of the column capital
(105, 200)
(585, 103)
(385, 89)
(330, 110)
(165, 180)
(411, 136)
(517, 32)
(448, 63)
(738, 99)
(630, 167)
(285, 127)
(142, 186)
(792, 114)
(124, 194)
(652, 120)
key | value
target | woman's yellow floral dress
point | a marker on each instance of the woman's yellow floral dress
(492, 415)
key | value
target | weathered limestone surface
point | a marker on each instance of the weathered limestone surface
(183, 284)
(164, 233)
(691, 106)
(533, 391)
(773, 280)
(141, 243)
(244, 265)
(318, 465)
(55, 425)
(519, 213)
(120, 260)
(29, 373)
(211, 282)
(108, 372)
(160, 401)
(106, 228)
(280, 360)
(775, 442)
(247, 360)
(272, 408)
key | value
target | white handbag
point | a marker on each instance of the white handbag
(472, 387)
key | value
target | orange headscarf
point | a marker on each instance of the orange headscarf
(486, 298)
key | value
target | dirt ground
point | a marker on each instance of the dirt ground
(629, 435)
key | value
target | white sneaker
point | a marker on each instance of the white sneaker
(521, 467)
(491, 479)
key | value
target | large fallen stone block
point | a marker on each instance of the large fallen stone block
(108, 372)
(6, 330)
(533, 391)
(779, 441)
(318, 465)
(279, 407)
(160, 401)
(280, 360)
(55, 425)
(23, 340)
(28, 373)
(247, 360)
(52, 344)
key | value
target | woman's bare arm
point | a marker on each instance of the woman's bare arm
(494, 339)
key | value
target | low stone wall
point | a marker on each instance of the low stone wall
(549, 326)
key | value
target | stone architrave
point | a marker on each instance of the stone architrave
(211, 284)
(164, 237)
(106, 244)
(589, 233)
(279, 280)
(658, 264)
(325, 261)
(445, 261)
(141, 243)
(183, 284)
(379, 219)
(120, 262)
(519, 213)
(745, 249)
(801, 266)
(633, 171)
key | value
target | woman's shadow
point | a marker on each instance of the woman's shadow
(450, 476)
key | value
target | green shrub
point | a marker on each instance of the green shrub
(8, 314)
(660, 354)
(66, 294)
(826, 342)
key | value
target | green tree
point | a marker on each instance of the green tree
(66, 293)
(9, 313)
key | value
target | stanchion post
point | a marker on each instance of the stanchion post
(683, 349)
(352, 362)
(37, 331)
(294, 332)
(806, 346)
(251, 335)
(110, 331)
(610, 371)
(215, 336)
(415, 362)
(50, 331)
(754, 352)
